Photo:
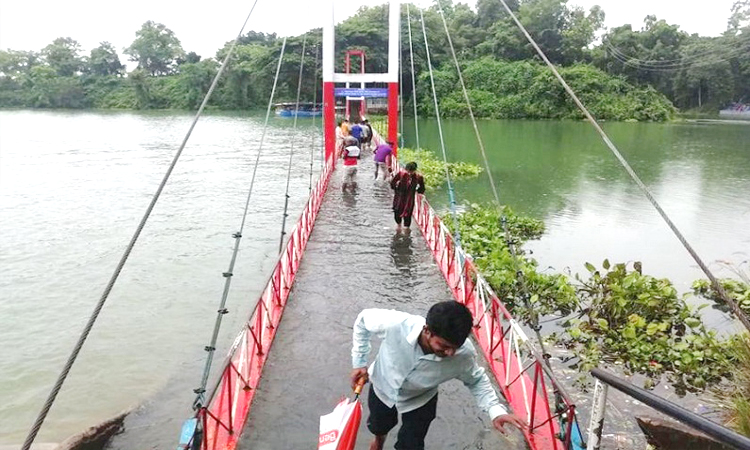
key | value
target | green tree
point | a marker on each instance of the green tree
(142, 86)
(545, 20)
(703, 76)
(579, 32)
(740, 16)
(156, 49)
(367, 30)
(49, 90)
(491, 11)
(649, 56)
(14, 72)
(104, 61)
(237, 87)
(63, 55)
(465, 32)
(16, 64)
(194, 81)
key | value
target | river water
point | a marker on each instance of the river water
(563, 174)
(74, 185)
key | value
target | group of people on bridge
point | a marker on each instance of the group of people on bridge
(416, 354)
(351, 141)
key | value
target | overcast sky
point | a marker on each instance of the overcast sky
(204, 27)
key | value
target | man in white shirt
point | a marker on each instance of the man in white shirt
(417, 355)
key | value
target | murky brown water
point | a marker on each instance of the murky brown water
(354, 260)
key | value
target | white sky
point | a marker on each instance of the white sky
(204, 27)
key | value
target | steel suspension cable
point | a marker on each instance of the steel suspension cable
(520, 276)
(400, 93)
(413, 81)
(123, 259)
(291, 148)
(315, 102)
(451, 193)
(714, 282)
(211, 348)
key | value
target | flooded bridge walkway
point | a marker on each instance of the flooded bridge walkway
(354, 260)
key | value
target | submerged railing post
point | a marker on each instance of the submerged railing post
(598, 407)
(712, 429)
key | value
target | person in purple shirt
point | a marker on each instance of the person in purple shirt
(383, 159)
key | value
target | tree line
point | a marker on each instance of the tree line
(624, 73)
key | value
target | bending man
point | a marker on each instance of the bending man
(416, 356)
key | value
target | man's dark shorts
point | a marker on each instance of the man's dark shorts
(414, 424)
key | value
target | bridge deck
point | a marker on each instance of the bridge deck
(354, 260)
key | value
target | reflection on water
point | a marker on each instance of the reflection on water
(349, 197)
(73, 186)
(401, 251)
(354, 260)
(562, 173)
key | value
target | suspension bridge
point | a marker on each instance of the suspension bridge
(289, 363)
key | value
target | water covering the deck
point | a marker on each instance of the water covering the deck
(354, 260)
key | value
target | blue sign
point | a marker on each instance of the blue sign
(357, 92)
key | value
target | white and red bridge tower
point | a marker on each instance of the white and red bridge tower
(331, 79)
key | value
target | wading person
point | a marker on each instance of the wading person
(405, 184)
(417, 355)
(368, 129)
(382, 157)
(339, 137)
(356, 131)
(350, 155)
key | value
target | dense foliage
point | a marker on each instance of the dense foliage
(739, 291)
(735, 397)
(640, 322)
(487, 239)
(433, 169)
(626, 76)
(615, 316)
(523, 89)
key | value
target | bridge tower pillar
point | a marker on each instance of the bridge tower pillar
(331, 78)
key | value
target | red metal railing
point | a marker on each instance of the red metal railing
(523, 377)
(229, 404)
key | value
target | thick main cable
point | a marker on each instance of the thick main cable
(520, 277)
(451, 193)
(400, 93)
(315, 102)
(291, 148)
(123, 259)
(413, 81)
(211, 348)
(714, 282)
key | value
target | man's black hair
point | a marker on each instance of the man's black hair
(451, 321)
(411, 166)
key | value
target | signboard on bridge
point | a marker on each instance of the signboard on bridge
(359, 92)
